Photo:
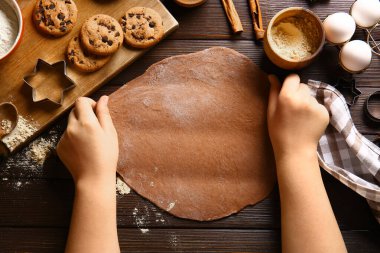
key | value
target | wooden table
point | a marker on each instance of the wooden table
(36, 200)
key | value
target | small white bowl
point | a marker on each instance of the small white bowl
(16, 8)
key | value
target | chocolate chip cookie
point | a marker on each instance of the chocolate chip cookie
(143, 27)
(101, 35)
(55, 17)
(82, 60)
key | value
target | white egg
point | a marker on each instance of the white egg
(366, 12)
(339, 27)
(355, 56)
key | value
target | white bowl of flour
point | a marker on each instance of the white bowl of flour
(11, 26)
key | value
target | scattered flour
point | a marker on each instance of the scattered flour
(8, 28)
(17, 185)
(173, 240)
(141, 220)
(21, 133)
(121, 187)
(144, 230)
(40, 149)
(170, 206)
(159, 218)
(6, 126)
(30, 159)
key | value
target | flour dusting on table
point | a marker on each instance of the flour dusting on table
(144, 230)
(31, 159)
(159, 218)
(6, 125)
(18, 185)
(141, 219)
(121, 187)
(40, 149)
(173, 240)
(24, 129)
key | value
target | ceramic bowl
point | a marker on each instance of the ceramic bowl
(190, 3)
(278, 59)
(16, 8)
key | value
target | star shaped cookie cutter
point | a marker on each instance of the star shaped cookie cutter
(42, 89)
(349, 90)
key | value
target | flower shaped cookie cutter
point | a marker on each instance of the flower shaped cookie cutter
(49, 82)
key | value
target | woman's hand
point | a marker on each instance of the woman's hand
(89, 147)
(296, 120)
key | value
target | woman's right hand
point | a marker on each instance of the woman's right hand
(296, 121)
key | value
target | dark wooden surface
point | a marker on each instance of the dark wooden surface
(36, 200)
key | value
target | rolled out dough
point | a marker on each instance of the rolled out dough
(193, 135)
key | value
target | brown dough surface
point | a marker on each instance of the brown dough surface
(193, 135)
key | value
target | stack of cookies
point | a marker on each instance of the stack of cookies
(100, 37)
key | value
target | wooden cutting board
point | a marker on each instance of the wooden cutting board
(34, 45)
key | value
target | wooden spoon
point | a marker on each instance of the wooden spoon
(8, 118)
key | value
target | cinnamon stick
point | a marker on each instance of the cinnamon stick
(257, 19)
(232, 15)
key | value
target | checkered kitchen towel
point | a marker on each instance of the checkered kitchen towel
(344, 152)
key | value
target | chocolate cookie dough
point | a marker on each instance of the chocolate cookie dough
(101, 35)
(55, 17)
(193, 135)
(142, 27)
(82, 60)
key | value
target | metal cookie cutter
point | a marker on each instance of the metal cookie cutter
(372, 101)
(349, 90)
(48, 74)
